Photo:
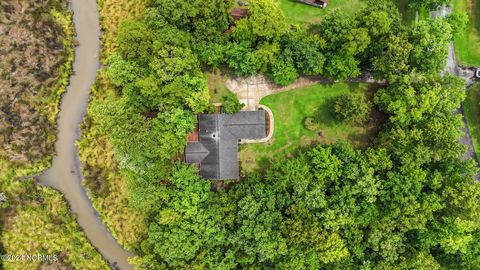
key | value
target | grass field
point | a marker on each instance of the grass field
(467, 46)
(290, 110)
(300, 13)
(472, 113)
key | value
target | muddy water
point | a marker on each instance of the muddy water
(65, 174)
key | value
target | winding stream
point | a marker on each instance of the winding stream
(65, 174)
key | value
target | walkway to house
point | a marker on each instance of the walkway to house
(270, 123)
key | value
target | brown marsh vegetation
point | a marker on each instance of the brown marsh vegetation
(36, 54)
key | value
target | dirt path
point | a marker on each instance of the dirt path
(65, 174)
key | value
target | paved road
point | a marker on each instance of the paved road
(65, 174)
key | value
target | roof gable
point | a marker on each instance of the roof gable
(218, 137)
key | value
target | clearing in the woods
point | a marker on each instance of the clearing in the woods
(290, 110)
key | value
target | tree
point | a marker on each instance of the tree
(265, 22)
(241, 60)
(352, 108)
(429, 4)
(389, 48)
(188, 226)
(421, 115)
(205, 20)
(430, 40)
(304, 51)
(231, 104)
(458, 22)
(266, 54)
(284, 73)
(122, 72)
(344, 40)
(342, 67)
(135, 41)
(394, 58)
(414, 97)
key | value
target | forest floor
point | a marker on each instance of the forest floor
(290, 109)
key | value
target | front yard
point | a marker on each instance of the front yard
(300, 13)
(290, 110)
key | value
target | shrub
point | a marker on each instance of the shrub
(310, 124)
(231, 104)
(352, 108)
(284, 73)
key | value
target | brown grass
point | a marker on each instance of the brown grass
(112, 14)
(36, 39)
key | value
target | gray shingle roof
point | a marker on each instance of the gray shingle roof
(195, 152)
(217, 149)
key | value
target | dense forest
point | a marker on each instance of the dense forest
(406, 202)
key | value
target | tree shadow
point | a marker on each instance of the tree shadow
(324, 115)
(354, 87)
(476, 15)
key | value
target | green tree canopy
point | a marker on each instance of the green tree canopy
(430, 39)
(352, 108)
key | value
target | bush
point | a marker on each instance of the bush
(231, 104)
(352, 108)
(310, 124)
(284, 73)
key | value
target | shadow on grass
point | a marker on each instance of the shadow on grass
(353, 87)
(324, 114)
(475, 17)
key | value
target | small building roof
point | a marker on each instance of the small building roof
(239, 13)
(216, 152)
(316, 3)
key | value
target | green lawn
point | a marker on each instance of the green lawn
(300, 13)
(290, 110)
(472, 113)
(467, 46)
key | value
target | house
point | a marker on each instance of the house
(216, 151)
(238, 13)
(315, 3)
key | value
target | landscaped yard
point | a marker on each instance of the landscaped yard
(472, 113)
(467, 46)
(297, 12)
(290, 110)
